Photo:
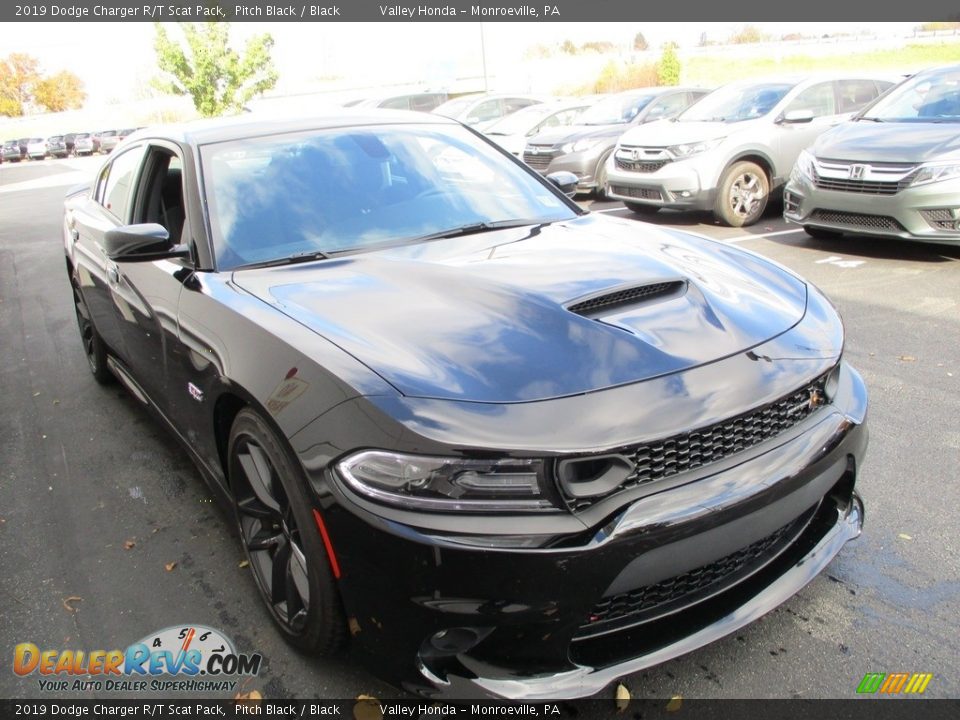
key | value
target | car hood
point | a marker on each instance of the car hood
(485, 317)
(577, 132)
(663, 134)
(866, 141)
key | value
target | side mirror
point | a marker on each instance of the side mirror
(566, 182)
(133, 243)
(797, 116)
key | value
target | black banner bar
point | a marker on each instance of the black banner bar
(373, 709)
(404, 11)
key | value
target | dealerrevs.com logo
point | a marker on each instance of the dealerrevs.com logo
(187, 658)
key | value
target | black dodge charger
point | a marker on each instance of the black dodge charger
(505, 446)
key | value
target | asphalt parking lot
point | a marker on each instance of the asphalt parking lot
(107, 532)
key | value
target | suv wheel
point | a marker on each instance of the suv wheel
(742, 195)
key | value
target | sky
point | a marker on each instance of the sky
(116, 61)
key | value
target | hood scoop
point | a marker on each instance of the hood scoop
(598, 304)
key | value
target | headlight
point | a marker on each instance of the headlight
(804, 167)
(580, 145)
(686, 150)
(935, 173)
(446, 484)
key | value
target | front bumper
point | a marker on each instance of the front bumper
(679, 185)
(443, 618)
(923, 213)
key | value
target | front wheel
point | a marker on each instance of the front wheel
(93, 346)
(281, 538)
(742, 194)
(601, 176)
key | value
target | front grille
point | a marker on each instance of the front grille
(942, 218)
(651, 601)
(643, 193)
(856, 220)
(624, 297)
(640, 166)
(539, 160)
(866, 187)
(689, 451)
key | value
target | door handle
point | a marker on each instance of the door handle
(113, 275)
(75, 234)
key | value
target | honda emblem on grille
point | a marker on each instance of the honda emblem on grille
(857, 171)
(634, 154)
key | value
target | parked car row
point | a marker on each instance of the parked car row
(61, 146)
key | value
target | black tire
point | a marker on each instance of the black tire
(281, 539)
(93, 346)
(742, 194)
(822, 233)
(641, 208)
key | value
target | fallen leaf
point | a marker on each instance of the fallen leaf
(56, 402)
(675, 702)
(904, 536)
(354, 626)
(248, 697)
(243, 563)
(623, 697)
(72, 599)
(367, 708)
(129, 544)
(907, 358)
(36, 394)
(170, 566)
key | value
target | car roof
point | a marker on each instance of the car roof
(214, 130)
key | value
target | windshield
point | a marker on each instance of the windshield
(734, 103)
(616, 110)
(520, 122)
(929, 97)
(351, 189)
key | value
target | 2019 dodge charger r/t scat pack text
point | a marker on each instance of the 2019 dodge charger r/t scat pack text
(894, 172)
(455, 411)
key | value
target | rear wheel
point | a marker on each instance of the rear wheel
(281, 538)
(93, 346)
(742, 194)
(641, 208)
(821, 233)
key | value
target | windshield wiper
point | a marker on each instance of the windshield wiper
(871, 119)
(474, 228)
(300, 257)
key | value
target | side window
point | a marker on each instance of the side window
(101, 184)
(484, 111)
(120, 179)
(513, 104)
(854, 94)
(817, 98)
(160, 198)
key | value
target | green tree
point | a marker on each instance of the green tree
(63, 91)
(19, 74)
(215, 75)
(640, 42)
(668, 67)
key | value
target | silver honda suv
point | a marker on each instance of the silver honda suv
(729, 151)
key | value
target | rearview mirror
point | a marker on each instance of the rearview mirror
(148, 241)
(797, 116)
(565, 182)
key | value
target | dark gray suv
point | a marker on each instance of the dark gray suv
(583, 148)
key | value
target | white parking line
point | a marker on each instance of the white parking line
(738, 239)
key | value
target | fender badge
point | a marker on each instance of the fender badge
(195, 392)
